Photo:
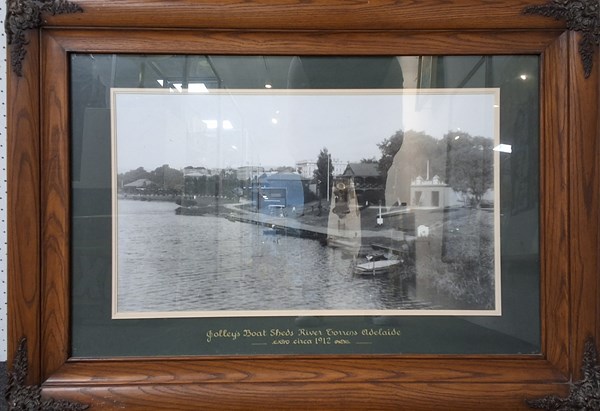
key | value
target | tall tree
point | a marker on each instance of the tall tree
(389, 147)
(470, 166)
(168, 179)
(419, 155)
(324, 172)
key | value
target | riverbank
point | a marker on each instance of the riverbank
(312, 224)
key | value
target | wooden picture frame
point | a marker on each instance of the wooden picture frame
(39, 201)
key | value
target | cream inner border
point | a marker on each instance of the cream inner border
(497, 311)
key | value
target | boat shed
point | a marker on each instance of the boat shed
(280, 191)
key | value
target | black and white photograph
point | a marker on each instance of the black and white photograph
(291, 202)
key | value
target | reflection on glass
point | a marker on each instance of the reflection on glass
(377, 197)
(357, 207)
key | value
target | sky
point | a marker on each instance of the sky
(269, 128)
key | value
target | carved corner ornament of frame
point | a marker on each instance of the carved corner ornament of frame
(29, 397)
(23, 15)
(584, 395)
(582, 16)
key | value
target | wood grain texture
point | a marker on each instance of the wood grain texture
(306, 42)
(23, 209)
(55, 188)
(39, 205)
(596, 76)
(584, 164)
(322, 369)
(306, 14)
(247, 383)
(307, 396)
(555, 212)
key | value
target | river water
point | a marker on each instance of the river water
(169, 262)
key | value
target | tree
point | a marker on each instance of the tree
(168, 179)
(418, 151)
(229, 184)
(462, 161)
(420, 155)
(389, 147)
(324, 172)
(470, 165)
(133, 175)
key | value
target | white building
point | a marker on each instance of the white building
(307, 168)
(432, 193)
(249, 172)
(339, 166)
(192, 172)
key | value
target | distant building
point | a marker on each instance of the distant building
(307, 168)
(338, 166)
(278, 192)
(195, 172)
(368, 182)
(433, 193)
(139, 186)
(249, 172)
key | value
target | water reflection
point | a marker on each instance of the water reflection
(170, 262)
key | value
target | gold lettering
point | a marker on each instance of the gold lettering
(254, 333)
(341, 333)
(381, 332)
(222, 333)
(276, 332)
(302, 332)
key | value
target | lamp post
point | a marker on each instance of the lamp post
(328, 161)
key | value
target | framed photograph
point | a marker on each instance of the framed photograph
(281, 235)
(319, 206)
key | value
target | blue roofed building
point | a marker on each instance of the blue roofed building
(280, 194)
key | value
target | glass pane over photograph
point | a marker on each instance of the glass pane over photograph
(317, 195)
(260, 204)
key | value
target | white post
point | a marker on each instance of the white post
(328, 161)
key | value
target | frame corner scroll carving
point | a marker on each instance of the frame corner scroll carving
(23, 15)
(582, 16)
(584, 394)
(29, 397)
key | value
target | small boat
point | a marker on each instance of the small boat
(194, 210)
(376, 267)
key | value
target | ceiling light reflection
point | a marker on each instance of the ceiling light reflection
(197, 88)
(503, 148)
(213, 124)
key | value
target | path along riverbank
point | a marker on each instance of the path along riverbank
(312, 224)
